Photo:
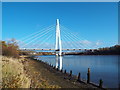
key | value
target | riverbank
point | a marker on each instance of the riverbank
(39, 71)
(13, 73)
(27, 72)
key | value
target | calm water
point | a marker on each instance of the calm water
(102, 66)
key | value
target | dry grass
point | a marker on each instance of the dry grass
(13, 74)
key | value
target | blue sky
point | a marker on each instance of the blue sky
(95, 22)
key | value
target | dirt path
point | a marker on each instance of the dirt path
(44, 76)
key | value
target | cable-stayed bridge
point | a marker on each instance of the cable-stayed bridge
(54, 38)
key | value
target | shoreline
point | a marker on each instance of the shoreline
(81, 55)
(56, 77)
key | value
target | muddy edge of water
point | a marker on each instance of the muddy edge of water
(56, 77)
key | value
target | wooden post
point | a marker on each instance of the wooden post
(100, 83)
(65, 71)
(57, 69)
(88, 76)
(79, 78)
(70, 72)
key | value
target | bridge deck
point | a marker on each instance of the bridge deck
(55, 49)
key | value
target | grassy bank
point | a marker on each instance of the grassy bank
(13, 73)
(29, 73)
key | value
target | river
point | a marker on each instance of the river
(103, 67)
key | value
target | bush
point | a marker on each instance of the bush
(10, 48)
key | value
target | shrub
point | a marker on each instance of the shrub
(10, 48)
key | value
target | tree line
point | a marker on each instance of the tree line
(114, 50)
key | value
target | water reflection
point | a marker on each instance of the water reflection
(60, 65)
(59, 62)
(102, 66)
(56, 61)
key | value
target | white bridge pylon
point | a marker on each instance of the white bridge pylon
(49, 39)
(58, 45)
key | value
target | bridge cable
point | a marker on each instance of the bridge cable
(37, 35)
(36, 38)
(36, 32)
(75, 37)
(68, 36)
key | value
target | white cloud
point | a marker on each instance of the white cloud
(98, 43)
(85, 42)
